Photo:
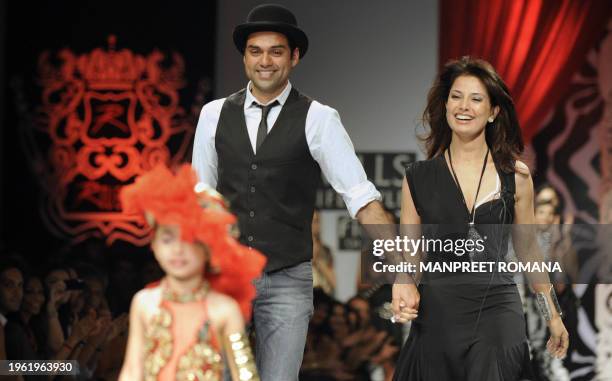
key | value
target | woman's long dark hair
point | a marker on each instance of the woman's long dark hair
(503, 136)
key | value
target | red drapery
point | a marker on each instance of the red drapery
(535, 45)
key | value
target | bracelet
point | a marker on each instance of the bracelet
(544, 306)
(553, 296)
(239, 354)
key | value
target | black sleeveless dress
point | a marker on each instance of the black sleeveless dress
(468, 328)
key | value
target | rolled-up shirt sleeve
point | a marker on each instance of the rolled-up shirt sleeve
(204, 159)
(332, 148)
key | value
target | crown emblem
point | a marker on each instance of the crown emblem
(111, 69)
(110, 114)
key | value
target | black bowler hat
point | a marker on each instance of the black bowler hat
(273, 18)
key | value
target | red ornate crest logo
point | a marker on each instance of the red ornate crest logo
(109, 115)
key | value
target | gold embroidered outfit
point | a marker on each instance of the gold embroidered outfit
(179, 341)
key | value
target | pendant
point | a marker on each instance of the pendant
(203, 332)
(473, 236)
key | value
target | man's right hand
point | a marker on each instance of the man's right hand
(405, 303)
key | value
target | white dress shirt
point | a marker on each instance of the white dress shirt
(328, 142)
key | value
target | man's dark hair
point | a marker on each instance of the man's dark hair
(292, 46)
(13, 262)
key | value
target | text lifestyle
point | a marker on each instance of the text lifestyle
(474, 267)
(413, 246)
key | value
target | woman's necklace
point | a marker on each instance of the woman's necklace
(472, 234)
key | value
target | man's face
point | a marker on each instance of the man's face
(11, 290)
(268, 62)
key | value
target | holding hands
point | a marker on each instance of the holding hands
(405, 303)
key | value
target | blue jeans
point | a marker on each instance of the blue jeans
(281, 312)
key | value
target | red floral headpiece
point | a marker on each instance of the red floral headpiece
(202, 216)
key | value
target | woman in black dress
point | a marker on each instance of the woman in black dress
(470, 328)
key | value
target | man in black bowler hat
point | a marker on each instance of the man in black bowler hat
(263, 148)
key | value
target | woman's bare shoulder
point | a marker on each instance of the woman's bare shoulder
(522, 177)
(522, 168)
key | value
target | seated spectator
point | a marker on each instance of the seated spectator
(56, 327)
(11, 296)
(75, 287)
(95, 290)
(323, 274)
(342, 344)
(32, 346)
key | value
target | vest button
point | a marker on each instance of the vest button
(250, 238)
(253, 166)
(252, 189)
(252, 213)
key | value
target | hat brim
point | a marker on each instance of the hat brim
(242, 32)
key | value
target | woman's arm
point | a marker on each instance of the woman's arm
(234, 340)
(527, 249)
(71, 347)
(406, 297)
(132, 369)
(55, 334)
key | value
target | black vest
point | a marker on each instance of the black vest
(272, 193)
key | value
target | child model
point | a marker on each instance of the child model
(180, 325)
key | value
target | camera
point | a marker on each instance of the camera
(74, 284)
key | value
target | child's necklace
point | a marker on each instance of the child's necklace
(197, 294)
